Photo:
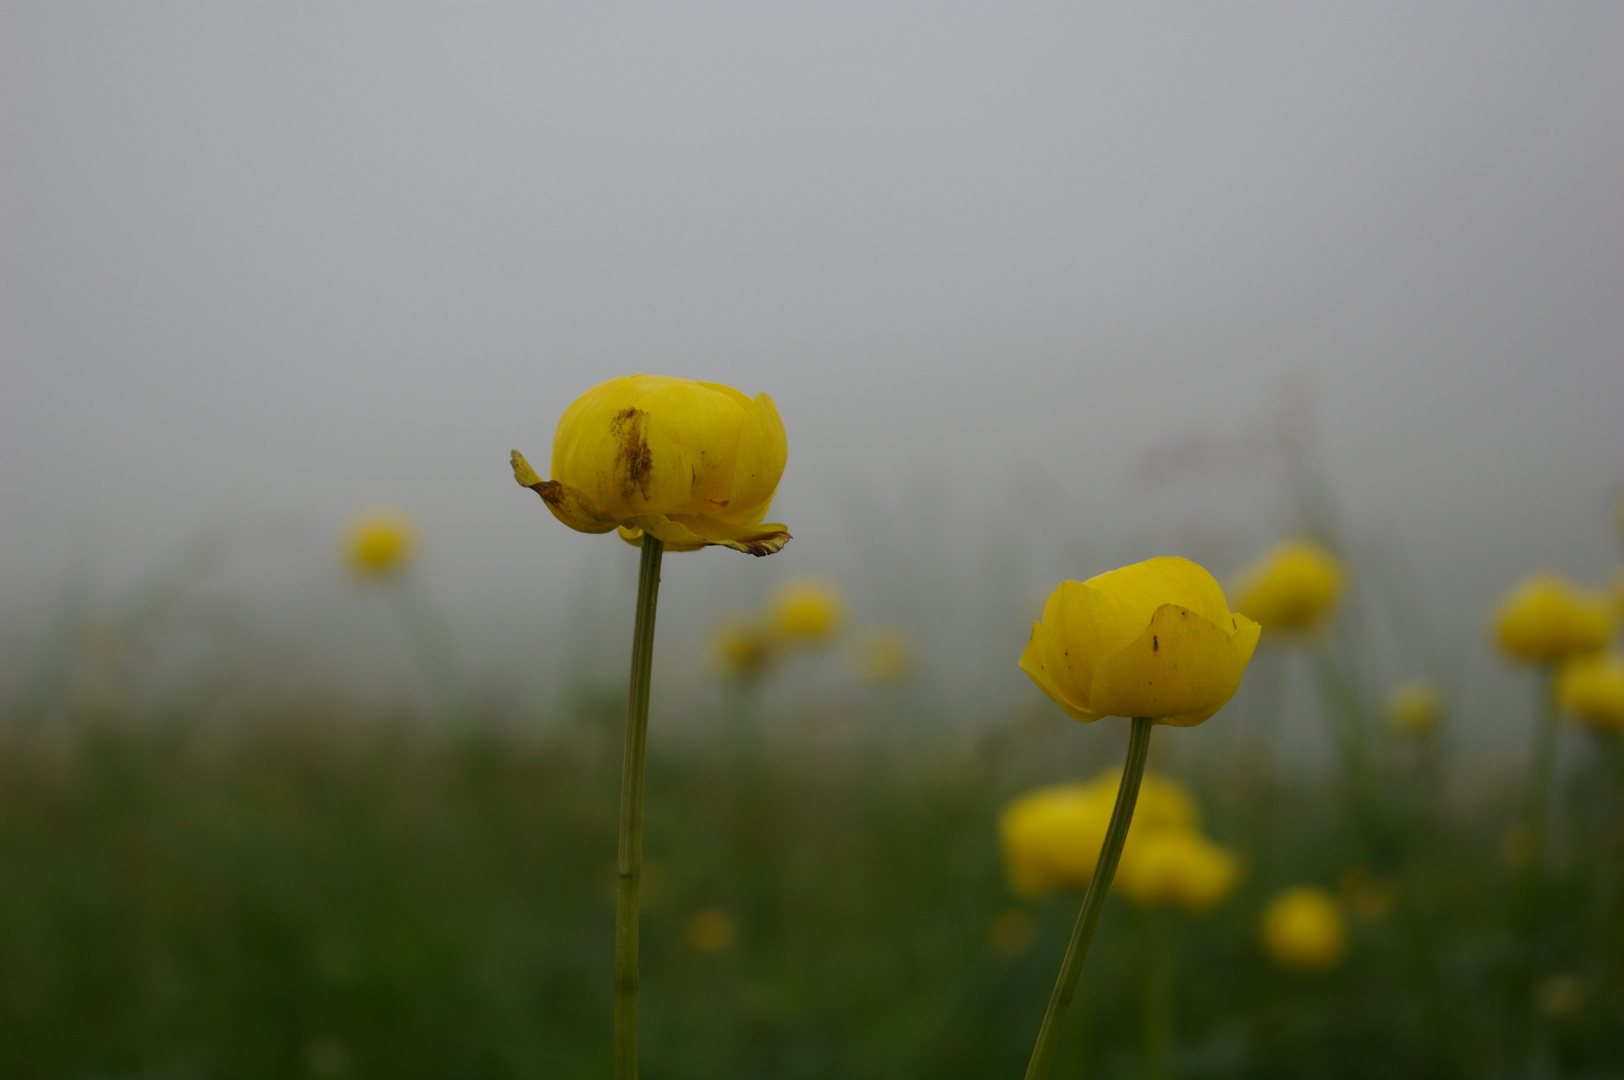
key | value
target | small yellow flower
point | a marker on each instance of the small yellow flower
(1295, 586)
(1592, 689)
(692, 463)
(1545, 619)
(1154, 639)
(1303, 930)
(709, 929)
(885, 656)
(1414, 708)
(742, 647)
(1012, 932)
(379, 543)
(807, 610)
(1178, 868)
(1051, 837)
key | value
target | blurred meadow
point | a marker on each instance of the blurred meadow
(311, 721)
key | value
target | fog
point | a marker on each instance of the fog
(265, 265)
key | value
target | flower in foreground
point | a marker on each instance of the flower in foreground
(1304, 930)
(690, 463)
(378, 544)
(1545, 618)
(807, 610)
(1294, 587)
(1155, 639)
(1414, 708)
(1591, 688)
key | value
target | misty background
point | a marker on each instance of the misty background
(1038, 290)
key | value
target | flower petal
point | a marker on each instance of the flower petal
(565, 502)
(763, 450)
(1139, 590)
(1032, 663)
(752, 539)
(1181, 670)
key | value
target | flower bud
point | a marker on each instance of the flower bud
(1153, 639)
(690, 463)
(1545, 619)
(1294, 587)
(1591, 688)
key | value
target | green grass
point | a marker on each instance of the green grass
(311, 894)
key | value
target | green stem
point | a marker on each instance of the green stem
(1093, 901)
(1536, 822)
(631, 813)
(1156, 996)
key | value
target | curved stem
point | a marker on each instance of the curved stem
(1093, 901)
(630, 863)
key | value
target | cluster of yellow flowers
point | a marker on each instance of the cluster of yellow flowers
(807, 612)
(1052, 837)
(1546, 619)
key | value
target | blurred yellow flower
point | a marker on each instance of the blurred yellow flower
(709, 929)
(807, 610)
(1592, 689)
(885, 655)
(1177, 868)
(1155, 639)
(1303, 929)
(1368, 897)
(1615, 589)
(1544, 618)
(692, 463)
(1414, 708)
(1295, 586)
(1012, 932)
(379, 543)
(1051, 837)
(741, 647)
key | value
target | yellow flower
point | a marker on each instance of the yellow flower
(1615, 589)
(1052, 837)
(1153, 639)
(808, 610)
(1294, 587)
(1177, 867)
(691, 463)
(742, 647)
(1592, 688)
(1414, 708)
(885, 656)
(1304, 930)
(709, 929)
(1545, 618)
(379, 543)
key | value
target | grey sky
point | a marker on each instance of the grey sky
(267, 263)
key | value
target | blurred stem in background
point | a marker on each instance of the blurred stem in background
(1529, 849)
(429, 638)
(630, 860)
(1099, 887)
(1345, 715)
(1155, 994)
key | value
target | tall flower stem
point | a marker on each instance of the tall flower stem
(1155, 996)
(1535, 824)
(630, 862)
(1099, 886)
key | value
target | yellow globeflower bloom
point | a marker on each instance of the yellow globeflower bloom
(709, 929)
(885, 656)
(1592, 688)
(1177, 867)
(691, 463)
(1304, 930)
(807, 610)
(1414, 708)
(1155, 639)
(1052, 837)
(1545, 618)
(1295, 586)
(379, 543)
(742, 647)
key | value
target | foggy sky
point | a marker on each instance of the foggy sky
(265, 264)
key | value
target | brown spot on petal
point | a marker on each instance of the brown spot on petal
(634, 462)
(1155, 644)
(551, 492)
